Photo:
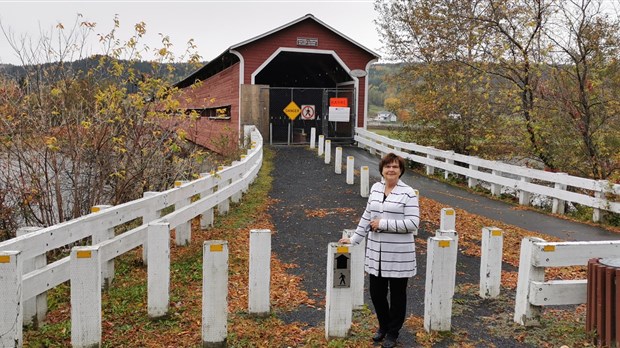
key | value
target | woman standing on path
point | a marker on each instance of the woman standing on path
(391, 221)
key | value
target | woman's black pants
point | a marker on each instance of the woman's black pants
(391, 314)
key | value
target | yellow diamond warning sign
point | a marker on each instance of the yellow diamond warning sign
(292, 110)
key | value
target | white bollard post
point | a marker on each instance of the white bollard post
(260, 273)
(328, 151)
(321, 144)
(447, 220)
(11, 318)
(183, 232)
(338, 160)
(430, 170)
(496, 189)
(312, 137)
(350, 170)
(447, 226)
(107, 269)
(224, 206)
(558, 204)
(526, 313)
(158, 272)
(206, 218)
(491, 262)
(358, 254)
(34, 309)
(364, 181)
(472, 182)
(338, 302)
(214, 293)
(440, 280)
(85, 270)
(524, 196)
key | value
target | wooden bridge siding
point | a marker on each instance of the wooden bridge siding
(223, 88)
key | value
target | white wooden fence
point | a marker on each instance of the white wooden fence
(533, 291)
(214, 189)
(498, 175)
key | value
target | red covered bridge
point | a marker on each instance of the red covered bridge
(306, 62)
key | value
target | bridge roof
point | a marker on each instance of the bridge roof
(228, 58)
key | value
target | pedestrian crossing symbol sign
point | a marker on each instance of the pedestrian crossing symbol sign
(342, 270)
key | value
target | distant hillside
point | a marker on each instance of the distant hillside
(17, 72)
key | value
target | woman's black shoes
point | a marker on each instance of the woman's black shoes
(389, 343)
(379, 335)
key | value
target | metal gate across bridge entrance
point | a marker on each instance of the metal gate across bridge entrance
(287, 126)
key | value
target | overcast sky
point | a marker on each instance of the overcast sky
(214, 25)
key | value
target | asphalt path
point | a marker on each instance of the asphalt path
(312, 205)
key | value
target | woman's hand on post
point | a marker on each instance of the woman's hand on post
(345, 241)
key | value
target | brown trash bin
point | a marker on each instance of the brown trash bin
(603, 301)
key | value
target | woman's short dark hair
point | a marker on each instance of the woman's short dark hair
(391, 158)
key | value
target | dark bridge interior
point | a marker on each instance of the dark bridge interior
(295, 69)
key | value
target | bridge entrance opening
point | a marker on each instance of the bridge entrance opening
(310, 81)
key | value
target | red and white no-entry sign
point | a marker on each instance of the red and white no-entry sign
(307, 112)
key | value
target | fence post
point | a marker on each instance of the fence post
(446, 173)
(246, 185)
(364, 181)
(236, 197)
(558, 204)
(350, 170)
(328, 151)
(496, 189)
(107, 269)
(439, 286)
(158, 272)
(430, 170)
(338, 302)
(312, 137)
(206, 218)
(260, 272)
(321, 144)
(524, 196)
(85, 270)
(214, 293)
(526, 313)
(491, 262)
(602, 186)
(11, 318)
(358, 253)
(472, 182)
(183, 232)
(338, 160)
(224, 206)
(34, 309)
(148, 216)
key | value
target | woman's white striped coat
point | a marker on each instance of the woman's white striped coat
(391, 248)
